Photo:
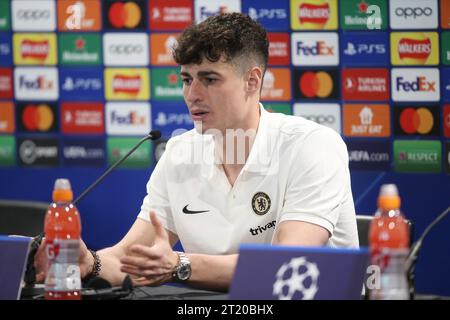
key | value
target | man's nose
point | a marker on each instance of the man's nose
(193, 93)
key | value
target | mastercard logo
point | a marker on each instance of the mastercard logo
(38, 117)
(124, 15)
(316, 84)
(419, 120)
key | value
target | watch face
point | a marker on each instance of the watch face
(184, 272)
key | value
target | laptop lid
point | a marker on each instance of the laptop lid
(266, 272)
(13, 257)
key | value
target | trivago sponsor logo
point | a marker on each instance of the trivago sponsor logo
(369, 155)
(7, 151)
(82, 83)
(36, 83)
(38, 152)
(359, 49)
(277, 85)
(80, 49)
(363, 14)
(82, 118)
(5, 15)
(161, 47)
(365, 84)
(414, 48)
(413, 14)
(34, 49)
(206, 8)
(118, 147)
(446, 120)
(84, 152)
(5, 49)
(37, 117)
(272, 15)
(416, 120)
(7, 124)
(6, 83)
(415, 84)
(164, 15)
(279, 51)
(327, 114)
(125, 15)
(31, 15)
(166, 84)
(79, 15)
(171, 118)
(131, 118)
(127, 84)
(314, 48)
(422, 156)
(316, 84)
(125, 49)
(314, 14)
(366, 120)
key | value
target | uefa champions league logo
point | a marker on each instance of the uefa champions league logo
(296, 279)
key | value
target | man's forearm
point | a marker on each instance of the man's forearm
(110, 260)
(212, 272)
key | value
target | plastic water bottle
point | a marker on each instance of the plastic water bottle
(389, 247)
(62, 239)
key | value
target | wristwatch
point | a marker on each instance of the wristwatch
(183, 270)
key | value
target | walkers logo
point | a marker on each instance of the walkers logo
(79, 15)
(415, 84)
(162, 46)
(128, 118)
(7, 151)
(446, 83)
(82, 118)
(314, 48)
(447, 121)
(84, 152)
(369, 155)
(7, 117)
(413, 14)
(82, 83)
(277, 85)
(166, 84)
(367, 120)
(360, 15)
(279, 49)
(424, 121)
(410, 48)
(316, 84)
(359, 49)
(164, 15)
(314, 14)
(36, 83)
(125, 15)
(79, 49)
(31, 15)
(34, 49)
(5, 15)
(272, 15)
(284, 108)
(170, 118)
(6, 83)
(417, 156)
(365, 84)
(37, 117)
(118, 147)
(130, 49)
(327, 114)
(38, 152)
(5, 49)
(127, 84)
(445, 14)
(207, 8)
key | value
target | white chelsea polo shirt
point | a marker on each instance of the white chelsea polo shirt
(296, 170)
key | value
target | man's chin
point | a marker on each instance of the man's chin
(201, 128)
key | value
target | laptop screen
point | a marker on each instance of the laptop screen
(13, 257)
(268, 272)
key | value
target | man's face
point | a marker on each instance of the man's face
(215, 94)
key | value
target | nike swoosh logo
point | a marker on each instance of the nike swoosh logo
(187, 211)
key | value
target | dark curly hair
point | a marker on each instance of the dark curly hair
(235, 37)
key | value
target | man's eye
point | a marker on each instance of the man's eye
(187, 81)
(210, 80)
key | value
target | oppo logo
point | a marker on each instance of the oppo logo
(33, 14)
(413, 12)
(321, 118)
(126, 49)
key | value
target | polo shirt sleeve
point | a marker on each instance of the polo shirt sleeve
(319, 179)
(157, 198)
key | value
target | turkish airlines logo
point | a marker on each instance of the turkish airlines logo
(128, 118)
(36, 83)
(366, 120)
(278, 48)
(365, 84)
(413, 13)
(318, 84)
(170, 16)
(129, 49)
(314, 48)
(411, 84)
(125, 15)
(30, 15)
(416, 121)
(85, 118)
(6, 86)
(327, 114)
(37, 117)
(316, 14)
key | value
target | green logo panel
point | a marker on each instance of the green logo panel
(359, 15)
(5, 15)
(422, 156)
(7, 151)
(118, 147)
(80, 49)
(445, 47)
(166, 84)
(278, 108)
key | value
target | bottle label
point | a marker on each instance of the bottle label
(63, 269)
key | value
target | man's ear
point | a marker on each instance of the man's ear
(254, 80)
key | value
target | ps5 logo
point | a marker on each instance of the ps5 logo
(71, 84)
(364, 48)
(265, 13)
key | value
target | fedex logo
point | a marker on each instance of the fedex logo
(319, 49)
(415, 84)
(131, 118)
(36, 83)
(207, 8)
(205, 13)
(314, 48)
(39, 83)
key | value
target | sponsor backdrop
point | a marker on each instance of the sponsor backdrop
(82, 80)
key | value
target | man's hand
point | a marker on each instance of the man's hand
(151, 266)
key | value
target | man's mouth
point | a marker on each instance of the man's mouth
(199, 115)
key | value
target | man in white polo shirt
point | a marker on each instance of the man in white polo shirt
(243, 175)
